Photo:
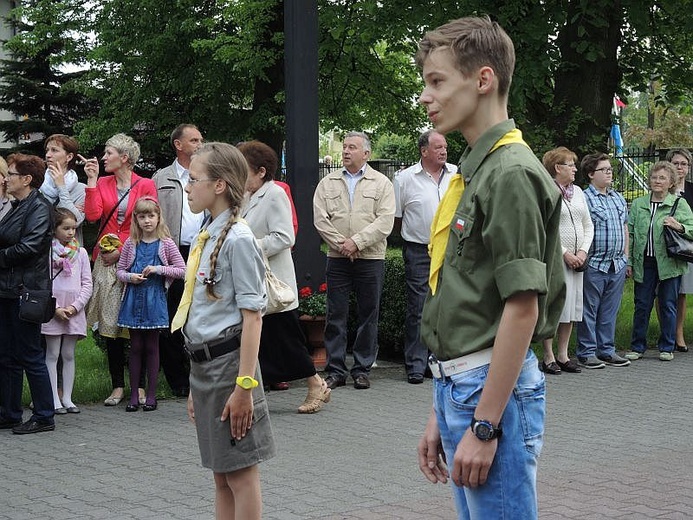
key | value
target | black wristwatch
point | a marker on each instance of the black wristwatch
(484, 430)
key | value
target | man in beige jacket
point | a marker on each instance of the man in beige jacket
(353, 211)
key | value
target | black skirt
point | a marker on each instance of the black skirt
(283, 352)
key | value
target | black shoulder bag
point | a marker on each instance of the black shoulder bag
(678, 246)
(38, 305)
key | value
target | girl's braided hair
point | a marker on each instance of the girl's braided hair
(223, 161)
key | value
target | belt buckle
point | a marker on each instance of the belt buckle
(433, 360)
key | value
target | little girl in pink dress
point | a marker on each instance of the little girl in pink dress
(72, 287)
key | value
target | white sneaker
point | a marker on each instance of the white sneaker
(633, 355)
(666, 356)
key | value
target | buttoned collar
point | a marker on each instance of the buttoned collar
(595, 191)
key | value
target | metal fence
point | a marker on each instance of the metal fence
(631, 169)
(387, 167)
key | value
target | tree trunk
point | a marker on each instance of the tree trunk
(588, 75)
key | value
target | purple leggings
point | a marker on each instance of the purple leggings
(144, 342)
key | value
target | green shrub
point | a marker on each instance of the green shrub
(393, 306)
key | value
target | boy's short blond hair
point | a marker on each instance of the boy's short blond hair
(475, 42)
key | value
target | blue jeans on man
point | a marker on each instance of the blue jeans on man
(365, 278)
(667, 292)
(21, 352)
(602, 293)
(417, 265)
(510, 491)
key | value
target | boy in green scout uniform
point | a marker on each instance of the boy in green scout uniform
(496, 280)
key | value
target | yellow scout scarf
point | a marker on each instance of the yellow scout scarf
(440, 226)
(190, 274)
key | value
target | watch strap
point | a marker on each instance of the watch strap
(243, 381)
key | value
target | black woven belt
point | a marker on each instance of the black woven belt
(209, 352)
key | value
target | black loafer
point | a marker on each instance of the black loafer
(415, 379)
(681, 348)
(334, 381)
(33, 426)
(132, 408)
(361, 382)
(149, 407)
(551, 368)
(569, 366)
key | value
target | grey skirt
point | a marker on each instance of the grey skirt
(687, 282)
(211, 384)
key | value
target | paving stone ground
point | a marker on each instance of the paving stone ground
(618, 445)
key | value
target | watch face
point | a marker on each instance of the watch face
(483, 431)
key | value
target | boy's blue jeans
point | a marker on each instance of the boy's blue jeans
(510, 491)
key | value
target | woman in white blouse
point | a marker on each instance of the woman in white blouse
(283, 352)
(577, 232)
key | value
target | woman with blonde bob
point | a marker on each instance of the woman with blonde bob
(577, 232)
(110, 200)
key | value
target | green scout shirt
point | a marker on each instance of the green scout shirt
(504, 240)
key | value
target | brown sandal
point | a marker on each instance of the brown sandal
(315, 399)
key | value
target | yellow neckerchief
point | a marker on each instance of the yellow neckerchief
(194, 258)
(440, 226)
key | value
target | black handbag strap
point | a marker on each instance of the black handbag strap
(113, 210)
(673, 208)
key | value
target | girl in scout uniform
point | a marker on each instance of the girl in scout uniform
(221, 315)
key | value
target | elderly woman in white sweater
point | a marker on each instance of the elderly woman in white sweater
(283, 352)
(577, 232)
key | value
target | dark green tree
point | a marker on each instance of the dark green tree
(36, 86)
(219, 64)
(216, 64)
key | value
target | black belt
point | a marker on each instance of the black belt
(416, 244)
(209, 352)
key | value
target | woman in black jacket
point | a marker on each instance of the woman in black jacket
(25, 243)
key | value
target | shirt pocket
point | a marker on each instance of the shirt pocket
(600, 217)
(368, 202)
(332, 201)
(203, 275)
(464, 252)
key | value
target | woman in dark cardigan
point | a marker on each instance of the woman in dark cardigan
(681, 159)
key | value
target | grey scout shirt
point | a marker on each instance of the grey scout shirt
(239, 283)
